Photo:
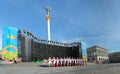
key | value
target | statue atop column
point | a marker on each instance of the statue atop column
(48, 10)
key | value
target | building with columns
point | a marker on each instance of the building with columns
(97, 54)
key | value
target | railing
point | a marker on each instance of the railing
(37, 39)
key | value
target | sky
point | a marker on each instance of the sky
(96, 22)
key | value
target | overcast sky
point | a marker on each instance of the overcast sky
(96, 22)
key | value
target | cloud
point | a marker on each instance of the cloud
(111, 42)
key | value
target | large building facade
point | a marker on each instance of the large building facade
(97, 54)
(30, 47)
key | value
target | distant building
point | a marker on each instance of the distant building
(114, 57)
(97, 54)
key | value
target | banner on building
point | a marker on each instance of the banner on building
(9, 43)
(84, 51)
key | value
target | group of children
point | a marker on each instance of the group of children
(14, 61)
(59, 62)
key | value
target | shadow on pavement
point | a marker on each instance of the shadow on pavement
(43, 65)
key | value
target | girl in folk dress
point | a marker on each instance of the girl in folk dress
(65, 62)
(57, 61)
(61, 61)
(54, 61)
(50, 61)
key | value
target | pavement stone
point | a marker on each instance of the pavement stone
(35, 68)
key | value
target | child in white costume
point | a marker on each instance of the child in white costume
(50, 61)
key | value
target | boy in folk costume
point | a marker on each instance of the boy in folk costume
(72, 61)
(63, 61)
(75, 62)
(68, 61)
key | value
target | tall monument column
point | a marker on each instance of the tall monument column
(48, 21)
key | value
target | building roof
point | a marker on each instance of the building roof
(114, 53)
(96, 46)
